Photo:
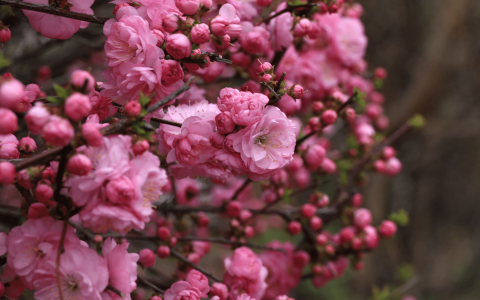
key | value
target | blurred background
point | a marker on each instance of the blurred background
(430, 49)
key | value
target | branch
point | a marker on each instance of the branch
(303, 139)
(166, 122)
(228, 242)
(177, 255)
(348, 102)
(116, 291)
(244, 185)
(172, 96)
(39, 159)
(151, 285)
(55, 11)
(287, 9)
(61, 170)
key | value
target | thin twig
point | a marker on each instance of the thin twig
(244, 185)
(166, 122)
(60, 172)
(348, 102)
(287, 9)
(54, 11)
(172, 96)
(116, 291)
(151, 285)
(303, 139)
(179, 256)
(228, 242)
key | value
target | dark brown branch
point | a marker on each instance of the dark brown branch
(287, 9)
(41, 158)
(59, 252)
(244, 185)
(172, 96)
(228, 242)
(303, 139)
(216, 57)
(348, 102)
(150, 285)
(26, 194)
(116, 291)
(60, 172)
(54, 11)
(179, 256)
(166, 122)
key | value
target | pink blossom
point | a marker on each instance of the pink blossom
(226, 98)
(146, 258)
(131, 40)
(12, 91)
(122, 267)
(219, 290)
(166, 86)
(187, 191)
(58, 131)
(8, 146)
(139, 79)
(280, 29)
(92, 135)
(178, 46)
(27, 144)
(77, 106)
(227, 22)
(255, 41)
(79, 164)
(80, 79)
(225, 123)
(282, 277)
(199, 281)
(9, 122)
(288, 105)
(7, 173)
(266, 146)
(302, 27)
(182, 290)
(83, 274)
(172, 72)
(245, 10)
(36, 118)
(248, 108)
(188, 7)
(5, 35)
(31, 242)
(193, 146)
(200, 34)
(244, 297)
(219, 26)
(102, 106)
(56, 27)
(393, 166)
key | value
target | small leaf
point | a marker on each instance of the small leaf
(378, 84)
(400, 218)
(417, 121)
(4, 62)
(286, 195)
(7, 9)
(137, 127)
(54, 100)
(144, 99)
(61, 92)
(360, 98)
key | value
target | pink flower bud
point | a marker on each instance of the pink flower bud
(173, 241)
(301, 259)
(387, 229)
(43, 193)
(242, 60)
(200, 34)
(373, 111)
(256, 41)
(265, 67)
(316, 223)
(356, 243)
(264, 3)
(12, 91)
(249, 231)
(379, 166)
(178, 46)
(206, 3)
(355, 11)
(24, 180)
(217, 139)
(333, 8)
(393, 166)
(382, 122)
(371, 237)
(269, 195)
(140, 147)
(330, 249)
(347, 234)
(315, 123)
(323, 8)
(37, 210)
(357, 200)
(160, 37)
(219, 26)
(302, 178)
(308, 210)
(78, 106)
(172, 72)
(350, 114)
(294, 227)
(79, 164)
(220, 290)
(5, 35)
(203, 221)
(170, 23)
(223, 42)
(317, 269)
(163, 233)
(9, 121)
(362, 217)
(296, 164)
(380, 73)
(194, 258)
(234, 208)
(388, 152)
(92, 135)
(7, 172)
(163, 251)
(328, 166)
(118, 6)
(321, 239)
(225, 123)
(245, 215)
(133, 109)
(267, 78)
(98, 239)
(302, 27)
(58, 131)
(329, 117)
(36, 118)
(147, 258)
(314, 157)
(188, 7)
(27, 144)
(80, 78)
(296, 92)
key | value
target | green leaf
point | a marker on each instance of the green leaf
(7, 9)
(54, 100)
(405, 272)
(360, 98)
(352, 142)
(138, 128)
(61, 92)
(144, 99)
(400, 218)
(4, 62)
(378, 83)
(417, 121)
(286, 195)
(381, 294)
